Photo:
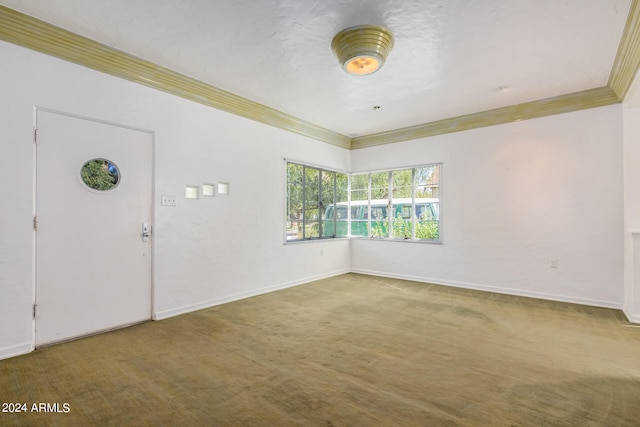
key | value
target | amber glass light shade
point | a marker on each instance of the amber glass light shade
(363, 49)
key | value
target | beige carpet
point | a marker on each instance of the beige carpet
(348, 351)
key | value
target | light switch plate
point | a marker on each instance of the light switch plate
(168, 200)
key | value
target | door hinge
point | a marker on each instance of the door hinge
(35, 223)
(34, 311)
(35, 135)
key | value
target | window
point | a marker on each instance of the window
(100, 174)
(401, 204)
(316, 203)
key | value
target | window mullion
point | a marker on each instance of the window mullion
(349, 205)
(319, 204)
(335, 204)
(369, 205)
(413, 203)
(304, 202)
(390, 205)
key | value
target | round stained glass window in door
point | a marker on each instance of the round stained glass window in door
(100, 174)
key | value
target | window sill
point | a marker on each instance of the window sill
(331, 239)
(367, 239)
(376, 239)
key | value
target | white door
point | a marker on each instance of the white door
(93, 264)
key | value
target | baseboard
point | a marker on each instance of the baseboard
(496, 289)
(633, 318)
(165, 314)
(15, 350)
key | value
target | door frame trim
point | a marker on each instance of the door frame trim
(34, 287)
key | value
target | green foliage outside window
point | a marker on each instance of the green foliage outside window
(427, 230)
(401, 227)
(310, 191)
(99, 174)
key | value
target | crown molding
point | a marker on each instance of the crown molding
(545, 107)
(623, 72)
(32, 33)
(627, 59)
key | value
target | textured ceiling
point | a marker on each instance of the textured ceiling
(450, 58)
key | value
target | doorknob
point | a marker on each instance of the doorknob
(145, 231)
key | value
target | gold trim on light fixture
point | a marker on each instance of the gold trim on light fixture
(362, 49)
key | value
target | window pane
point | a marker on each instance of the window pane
(427, 182)
(311, 187)
(342, 187)
(401, 223)
(360, 218)
(380, 186)
(360, 187)
(402, 183)
(427, 191)
(100, 174)
(360, 205)
(379, 204)
(359, 195)
(379, 222)
(401, 191)
(328, 188)
(311, 202)
(294, 201)
(427, 229)
(326, 203)
(311, 223)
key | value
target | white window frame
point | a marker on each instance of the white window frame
(320, 169)
(390, 204)
(389, 219)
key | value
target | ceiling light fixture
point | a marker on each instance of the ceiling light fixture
(363, 49)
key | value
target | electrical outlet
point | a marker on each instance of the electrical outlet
(553, 263)
(168, 200)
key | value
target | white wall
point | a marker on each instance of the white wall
(206, 251)
(632, 202)
(515, 197)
